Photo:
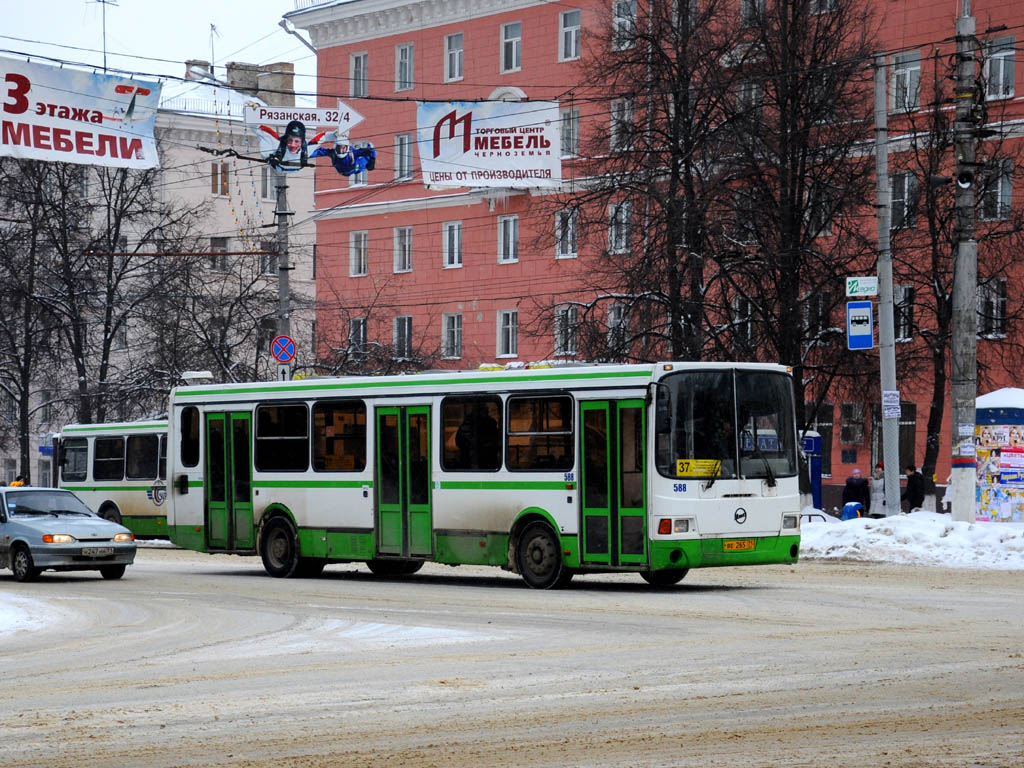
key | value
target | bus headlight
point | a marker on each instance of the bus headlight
(790, 522)
(683, 525)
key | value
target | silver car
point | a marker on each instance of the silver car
(49, 529)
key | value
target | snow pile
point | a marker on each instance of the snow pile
(920, 538)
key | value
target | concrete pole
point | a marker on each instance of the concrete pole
(283, 266)
(886, 331)
(965, 275)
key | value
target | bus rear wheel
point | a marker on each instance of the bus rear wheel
(664, 578)
(279, 548)
(394, 567)
(538, 558)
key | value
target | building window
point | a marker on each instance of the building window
(903, 312)
(904, 200)
(742, 318)
(569, 35)
(358, 253)
(824, 6)
(357, 336)
(623, 24)
(618, 328)
(566, 324)
(620, 134)
(403, 337)
(361, 178)
(218, 251)
(852, 430)
(751, 11)
(45, 407)
(511, 46)
(565, 234)
(268, 257)
(999, 72)
(266, 332)
(453, 57)
(451, 244)
(906, 81)
(570, 137)
(508, 333)
(403, 156)
(219, 179)
(451, 330)
(403, 67)
(618, 227)
(267, 188)
(508, 239)
(749, 99)
(992, 308)
(818, 210)
(995, 192)
(403, 249)
(358, 77)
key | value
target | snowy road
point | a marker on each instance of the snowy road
(194, 660)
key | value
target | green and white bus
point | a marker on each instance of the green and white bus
(118, 470)
(547, 472)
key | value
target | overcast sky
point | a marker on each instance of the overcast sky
(170, 31)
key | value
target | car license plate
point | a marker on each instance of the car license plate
(738, 545)
(97, 551)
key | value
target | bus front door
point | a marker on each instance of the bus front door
(229, 481)
(613, 482)
(403, 482)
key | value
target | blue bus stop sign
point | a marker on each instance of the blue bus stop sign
(860, 325)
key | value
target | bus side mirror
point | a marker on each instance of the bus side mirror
(662, 408)
(182, 484)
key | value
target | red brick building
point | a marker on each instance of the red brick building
(455, 277)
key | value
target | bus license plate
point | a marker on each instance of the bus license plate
(738, 545)
(97, 551)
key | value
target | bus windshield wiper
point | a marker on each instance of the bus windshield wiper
(756, 452)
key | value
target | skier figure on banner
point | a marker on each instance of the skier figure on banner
(346, 160)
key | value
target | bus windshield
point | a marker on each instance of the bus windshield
(726, 424)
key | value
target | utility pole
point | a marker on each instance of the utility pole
(965, 274)
(886, 332)
(283, 266)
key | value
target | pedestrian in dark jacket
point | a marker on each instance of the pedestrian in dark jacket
(857, 490)
(913, 494)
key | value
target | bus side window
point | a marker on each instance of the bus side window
(74, 459)
(282, 438)
(161, 472)
(108, 463)
(339, 436)
(471, 433)
(143, 457)
(190, 436)
(540, 433)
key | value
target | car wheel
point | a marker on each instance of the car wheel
(112, 571)
(394, 567)
(279, 548)
(539, 560)
(23, 565)
(664, 578)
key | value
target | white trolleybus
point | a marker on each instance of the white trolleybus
(118, 470)
(548, 472)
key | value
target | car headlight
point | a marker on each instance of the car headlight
(58, 538)
(124, 537)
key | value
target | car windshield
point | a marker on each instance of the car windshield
(45, 503)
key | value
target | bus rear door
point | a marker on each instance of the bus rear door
(403, 481)
(613, 482)
(228, 488)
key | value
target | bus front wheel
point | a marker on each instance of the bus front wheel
(279, 548)
(538, 558)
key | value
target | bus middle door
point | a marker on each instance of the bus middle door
(613, 482)
(403, 481)
(228, 489)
